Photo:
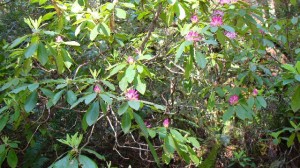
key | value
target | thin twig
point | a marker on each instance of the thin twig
(151, 28)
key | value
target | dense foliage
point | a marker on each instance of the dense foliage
(149, 83)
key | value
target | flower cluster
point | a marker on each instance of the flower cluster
(97, 89)
(192, 36)
(217, 18)
(234, 99)
(132, 94)
(230, 35)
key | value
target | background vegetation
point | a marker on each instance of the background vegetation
(159, 83)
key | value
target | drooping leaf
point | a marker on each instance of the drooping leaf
(31, 101)
(3, 121)
(42, 54)
(141, 124)
(123, 108)
(296, 100)
(135, 104)
(31, 50)
(86, 162)
(126, 122)
(12, 158)
(92, 113)
(120, 13)
(261, 101)
(71, 97)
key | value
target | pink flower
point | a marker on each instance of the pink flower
(261, 31)
(166, 123)
(233, 100)
(148, 125)
(230, 35)
(130, 60)
(255, 92)
(218, 13)
(225, 1)
(132, 94)
(216, 21)
(59, 39)
(97, 89)
(192, 36)
(194, 19)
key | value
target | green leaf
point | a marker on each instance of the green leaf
(123, 84)
(31, 50)
(169, 144)
(228, 114)
(104, 29)
(89, 98)
(179, 10)
(250, 101)
(126, 122)
(180, 50)
(42, 54)
(153, 152)
(17, 41)
(31, 101)
(289, 67)
(86, 162)
(135, 104)
(296, 100)
(123, 108)
(261, 101)
(47, 93)
(241, 112)
(92, 113)
(177, 135)
(194, 142)
(12, 158)
(106, 98)
(172, 2)
(228, 28)
(141, 124)
(120, 13)
(109, 85)
(33, 86)
(66, 162)
(116, 69)
(297, 77)
(290, 141)
(71, 97)
(71, 43)
(94, 33)
(130, 73)
(101, 157)
(60, 63)
(200, 59)
(221, 37)
(57, 96)
(3, 121)
(140, 85)
(19, 89)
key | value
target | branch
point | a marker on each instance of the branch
(151, 28)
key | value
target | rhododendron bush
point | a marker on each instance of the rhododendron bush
(156, 83)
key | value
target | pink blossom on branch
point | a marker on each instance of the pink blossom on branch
(132, 94)
(230, 35)
(192, 36)
(216, 21)
(194, 19)
(166, 123)
(255, 92)
(234, 99)
(130, 60)
(97, 89)
(59, 39)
